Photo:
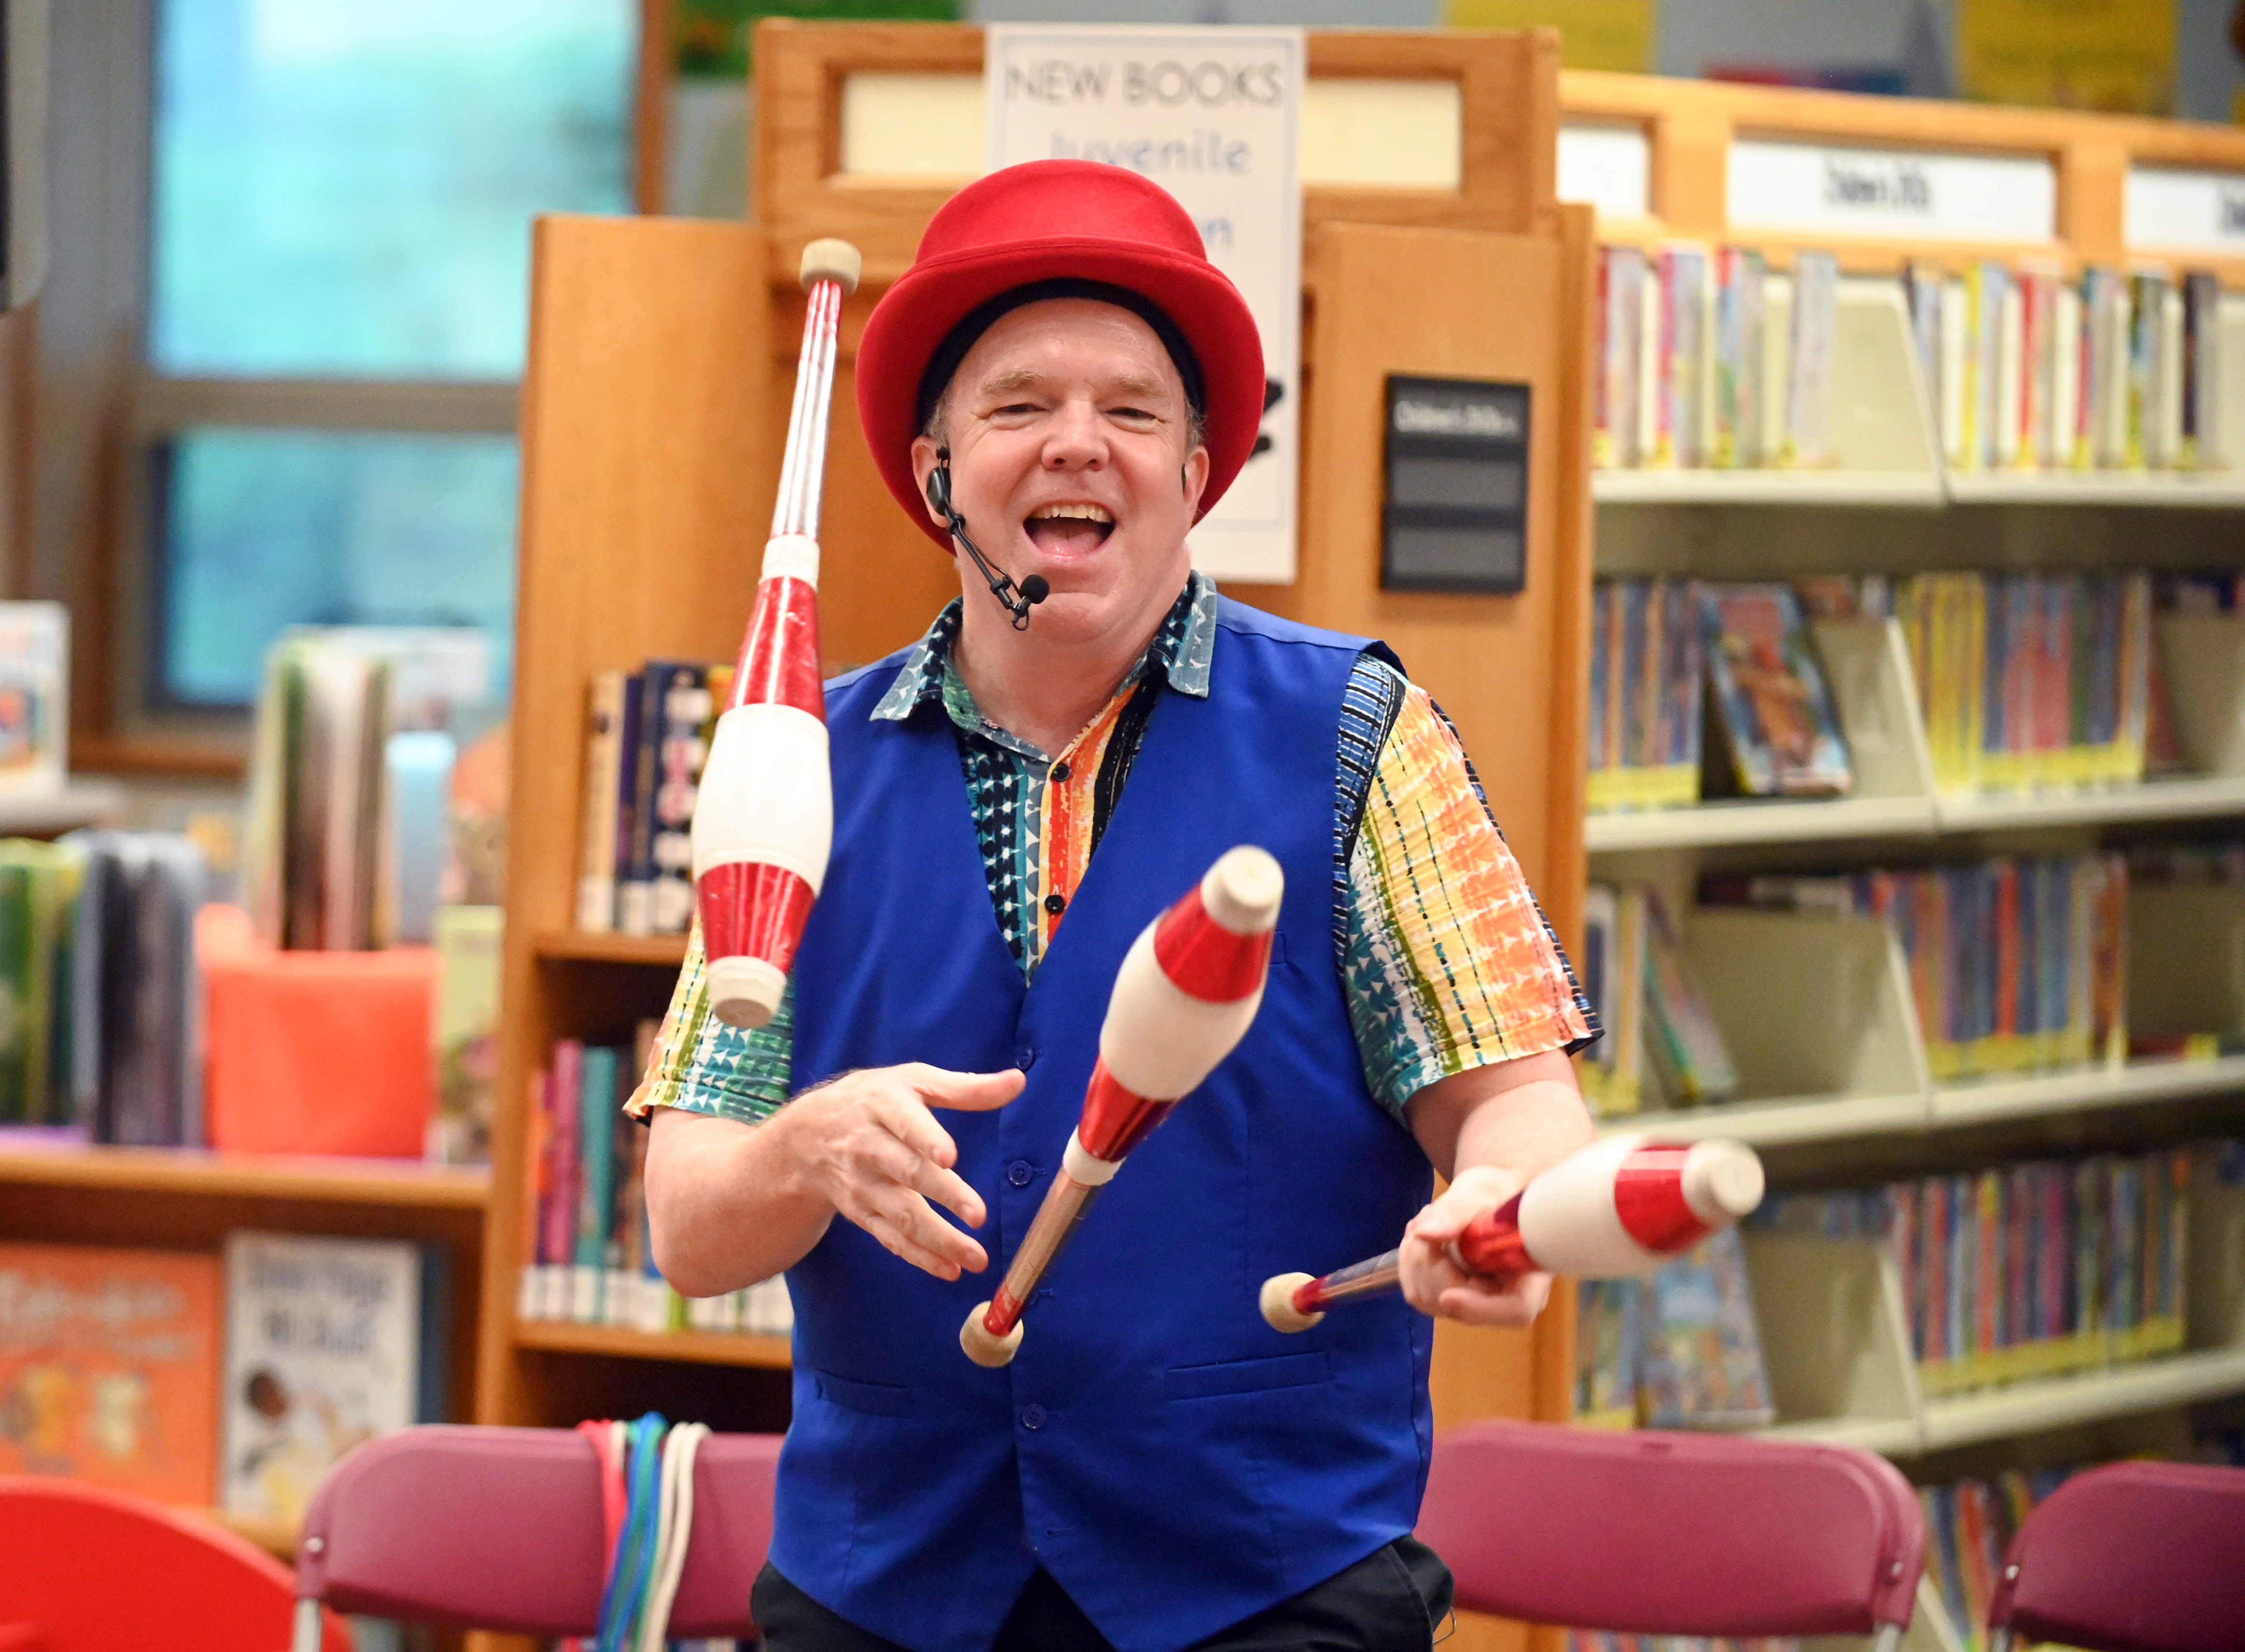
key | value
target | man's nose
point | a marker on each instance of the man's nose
(1076, 442)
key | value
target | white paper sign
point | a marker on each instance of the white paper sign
(1212, 116)
(1833, 190)
(2194, 212)
(1609, 167)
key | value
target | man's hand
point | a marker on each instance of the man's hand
(1433, 1281)
(867, 1145)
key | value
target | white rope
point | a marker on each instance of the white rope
(674, 1534)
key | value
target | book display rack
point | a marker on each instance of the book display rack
(1851, 1069)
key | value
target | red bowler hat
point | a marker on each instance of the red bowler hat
(1069, 224)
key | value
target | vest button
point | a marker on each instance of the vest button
(1055, 903)
(1033, 1418)
(1026, 1057)
(1020, 1173)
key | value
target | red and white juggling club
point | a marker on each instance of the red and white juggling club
(1618, 1207)
(764, 820)
(1186, 993)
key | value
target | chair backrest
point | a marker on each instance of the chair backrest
(2133, 1557)
(501, 1528)
(1664, 1533)
(86, 1569)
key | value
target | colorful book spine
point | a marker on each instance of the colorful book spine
(601, 779)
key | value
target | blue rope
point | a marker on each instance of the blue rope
(629, 1567)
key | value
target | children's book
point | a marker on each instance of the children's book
(34, 696)
(1781, 729)
(1702, 1364)
(1692, 1061)
(329, 1342)
(109, 1365)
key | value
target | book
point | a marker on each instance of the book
(1620, 360)
(134, 1020)
(1609, 1320)
(597, 1102)
(109, 1368)
(1807, 444)
(1689, 1055)
(1645, 722)
(329, 1342)
(1780, 731)
(1682, 367)
(685, 708)
(1702, 1359)
(1739, 421)
(34, 697)
(1614, 944)
(2201, 444)
(599, 786)
(465, 1031)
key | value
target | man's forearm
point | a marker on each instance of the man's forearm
(725, 1205)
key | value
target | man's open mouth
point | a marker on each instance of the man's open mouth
(1065, 528)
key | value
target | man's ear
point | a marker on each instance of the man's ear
(926, 454)
(1194, 474)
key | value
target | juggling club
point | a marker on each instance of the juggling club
(1186, 993)
(1618, 1207)
(764, 819)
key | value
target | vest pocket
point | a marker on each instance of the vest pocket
(877, 1399)
(1246, 1376)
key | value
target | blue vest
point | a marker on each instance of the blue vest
(1175, 1463)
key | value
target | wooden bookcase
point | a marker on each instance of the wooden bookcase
(662, 361)
(1819, 1008)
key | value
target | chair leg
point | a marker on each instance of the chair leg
(308, 1626)
(1889, 1638)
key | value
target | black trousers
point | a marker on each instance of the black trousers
(1395, 1599)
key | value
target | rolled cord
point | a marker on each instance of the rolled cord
(673, 1533)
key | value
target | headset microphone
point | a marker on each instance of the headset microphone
(1015, 599)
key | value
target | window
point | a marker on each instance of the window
(338, 304)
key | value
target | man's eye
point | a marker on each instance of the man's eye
(1131, 413)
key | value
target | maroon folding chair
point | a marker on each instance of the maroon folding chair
(2133, 1557)
(501, 1529)
(1660, 1534)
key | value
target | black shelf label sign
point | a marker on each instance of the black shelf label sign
(1453, 516)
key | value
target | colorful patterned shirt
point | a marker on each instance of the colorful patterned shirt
(1448, 960)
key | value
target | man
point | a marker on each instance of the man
(1063, 379)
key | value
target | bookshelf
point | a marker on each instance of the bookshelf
(185, 1199)
(1839, 1084)
(661, 366)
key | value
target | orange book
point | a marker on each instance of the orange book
(109, 1363)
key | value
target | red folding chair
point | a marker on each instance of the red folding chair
(86, 1569)
(1661, 1533)
(501, 1529)
(2133, 1557)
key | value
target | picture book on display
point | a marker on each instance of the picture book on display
(109, 1367)
(329, 1342)
(1701, 1360)
(1645, 714)
(1779, 731)
(34, 696)
(1680, 1349)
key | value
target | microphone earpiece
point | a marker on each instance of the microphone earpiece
(1017, 600)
